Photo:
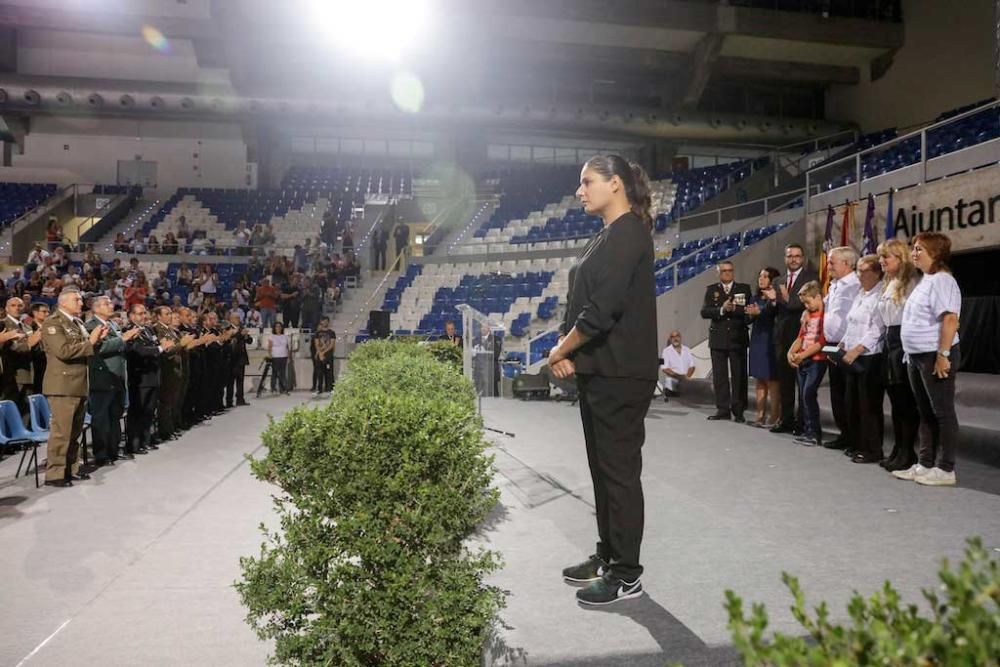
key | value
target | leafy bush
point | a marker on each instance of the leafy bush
(382, 487)
(963, 631)
(447, 352)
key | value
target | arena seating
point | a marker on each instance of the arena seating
(564, 224)
(975, 129)
(693, 257)
(16, 199)
(295, 211)
(513, 292)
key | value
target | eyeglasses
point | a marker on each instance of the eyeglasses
(726, 270)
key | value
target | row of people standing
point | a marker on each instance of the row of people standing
(170, 371)
(888, 325)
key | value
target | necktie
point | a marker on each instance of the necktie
(791, 280)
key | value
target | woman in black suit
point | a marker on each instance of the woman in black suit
(609, 342)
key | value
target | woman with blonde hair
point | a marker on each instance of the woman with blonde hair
(901, 277)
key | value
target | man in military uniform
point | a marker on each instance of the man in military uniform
(39, 311)
(143, 354)
(68, 347)
(16, 376)
(171, 376)
(107, 383)
(238, 361)
(191, 407)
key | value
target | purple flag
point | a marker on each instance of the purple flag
(869, 241)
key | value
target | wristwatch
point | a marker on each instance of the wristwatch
(944, 353)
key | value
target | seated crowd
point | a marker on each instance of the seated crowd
(887, 324)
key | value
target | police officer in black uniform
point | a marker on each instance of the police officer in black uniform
(238, 361)
(725, 305)
(143, 354)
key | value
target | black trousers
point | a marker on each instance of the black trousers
(838, 402)
(279, 374)
(168, 409)
(938, 434)
(863, 396)
(379, 263)
(612, 411)
(729, 379)
(905, 422)
(235, 385)
(139, 422)
(106, 409)
(322, 376)
(787, 376)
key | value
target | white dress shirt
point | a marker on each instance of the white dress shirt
(890, 312)
(864, 325)
(837, 305)
(679, 361)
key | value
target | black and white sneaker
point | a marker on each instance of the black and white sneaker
(587, 571)
(609, 589)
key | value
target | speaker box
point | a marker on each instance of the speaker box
(527, 386)
(378, 324)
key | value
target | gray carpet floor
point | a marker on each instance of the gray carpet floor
(727, 507)
(136, 566)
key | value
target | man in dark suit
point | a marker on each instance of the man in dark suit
(238, 361)
(107, 383)
(725, 305)
(39, 311)
(171, 377)
(15, 376)
(380, 243)
(143, 381)
(786, 329)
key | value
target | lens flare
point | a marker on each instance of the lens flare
(407, 92)
(155, 38)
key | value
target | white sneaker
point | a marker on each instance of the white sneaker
(936, 477)
(910, 473)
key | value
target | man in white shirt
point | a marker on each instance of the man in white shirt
(844, 287)
(678, 365)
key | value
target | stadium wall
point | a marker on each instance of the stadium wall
(946, 62)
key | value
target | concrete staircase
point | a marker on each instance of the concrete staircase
(358, 301)
(143, 210)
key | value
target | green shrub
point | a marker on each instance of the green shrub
(963, 630)
(382, 488)
(447, 352)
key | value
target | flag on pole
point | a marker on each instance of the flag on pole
(869, 240)
(845, 227)
(890, 223)
(824, 271)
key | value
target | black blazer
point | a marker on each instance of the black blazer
(612, 300)
(143, 354)
(728, 330)
(789, 313)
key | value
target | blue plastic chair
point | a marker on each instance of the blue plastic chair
(40, 415)
(13, 433)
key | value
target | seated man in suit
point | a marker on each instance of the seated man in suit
(725, 305)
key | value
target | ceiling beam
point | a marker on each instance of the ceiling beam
(700, 69)
(743, 69)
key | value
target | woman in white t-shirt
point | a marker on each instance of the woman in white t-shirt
(277, 350)
(929, 333)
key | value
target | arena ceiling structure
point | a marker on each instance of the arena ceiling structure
(750, 71)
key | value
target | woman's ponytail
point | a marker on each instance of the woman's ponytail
(640, 198)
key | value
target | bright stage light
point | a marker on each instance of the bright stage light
(407, 92)
(376, 29)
